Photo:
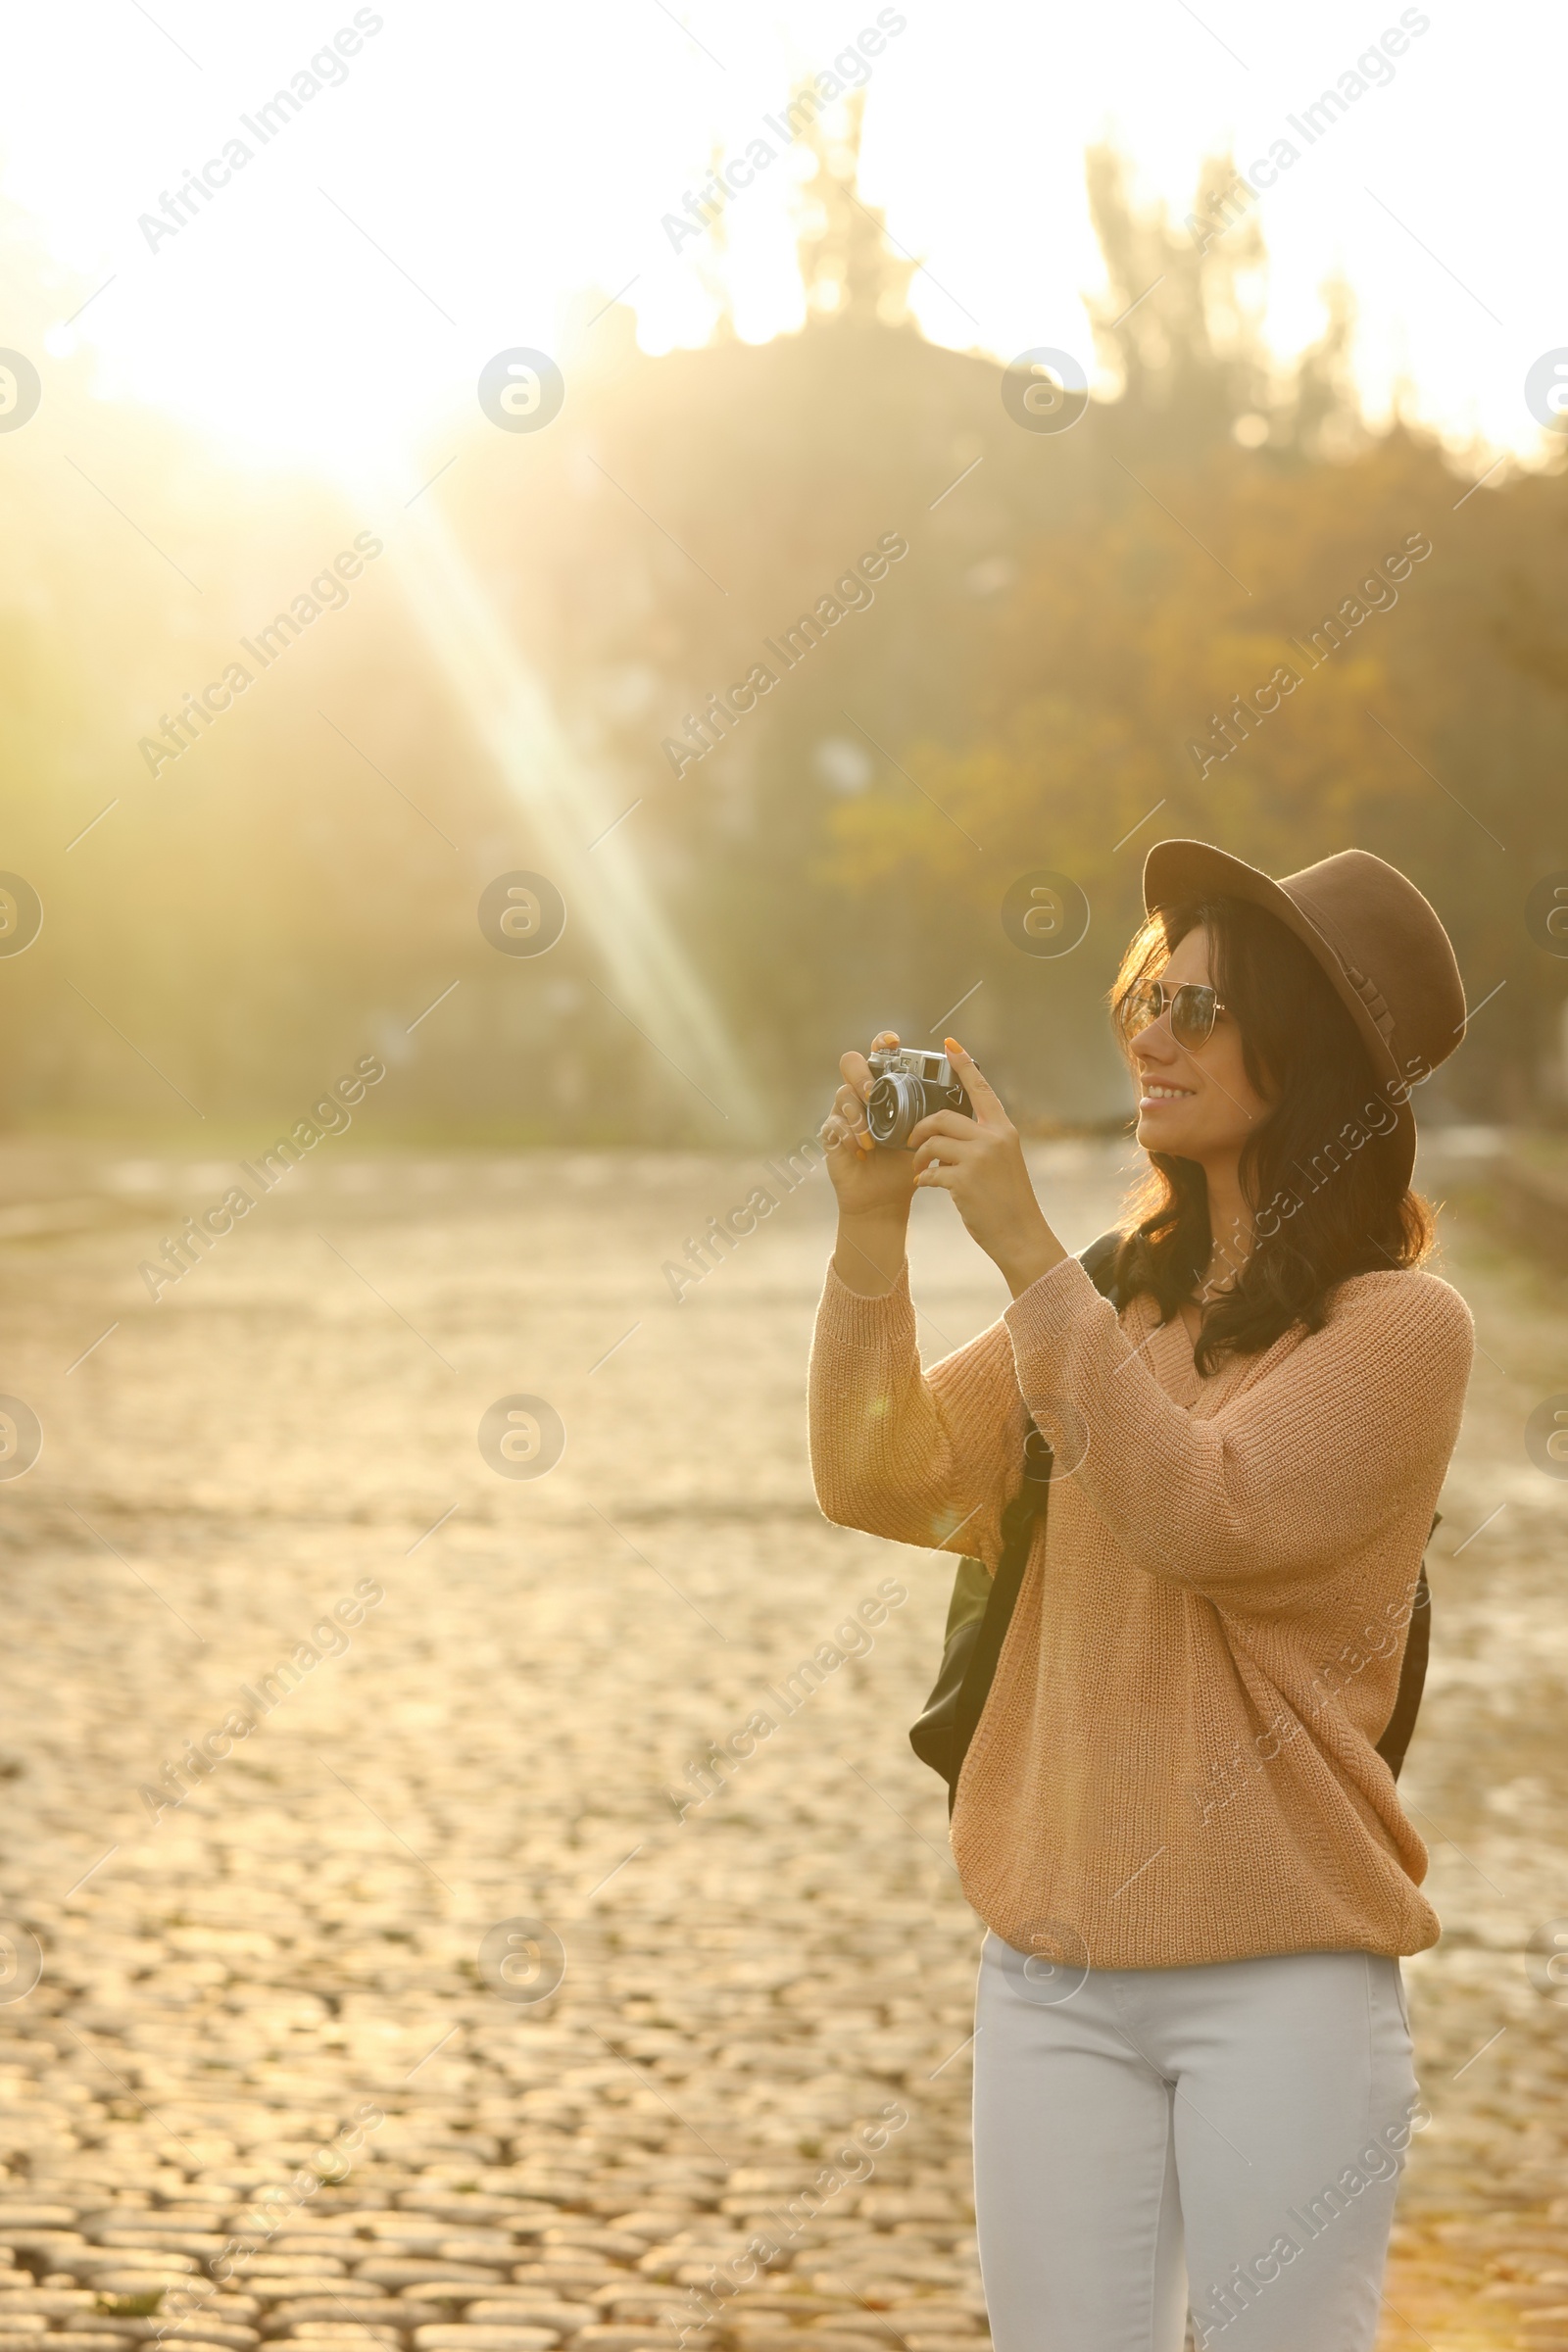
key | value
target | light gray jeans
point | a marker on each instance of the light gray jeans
(1229, 2135)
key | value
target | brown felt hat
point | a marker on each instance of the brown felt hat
(1380, 942)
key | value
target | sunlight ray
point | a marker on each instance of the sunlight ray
(575, 807)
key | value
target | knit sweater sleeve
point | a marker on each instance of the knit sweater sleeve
(929, 1458)
(1338, 1434)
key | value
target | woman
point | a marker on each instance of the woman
(1193, 2071)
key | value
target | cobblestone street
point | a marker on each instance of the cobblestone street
(285, 1999)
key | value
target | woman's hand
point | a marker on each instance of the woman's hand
(875, 1186)
(867, 1179)
(980, 1162)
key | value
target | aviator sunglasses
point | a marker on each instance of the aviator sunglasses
(1191, 1010)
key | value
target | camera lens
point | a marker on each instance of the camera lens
(892, 1108)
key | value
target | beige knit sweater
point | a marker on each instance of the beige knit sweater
(1177, 1761)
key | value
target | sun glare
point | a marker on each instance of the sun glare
(305, 244)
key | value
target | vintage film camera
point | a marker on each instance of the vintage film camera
(909, 1086)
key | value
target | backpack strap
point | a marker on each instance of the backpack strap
(1018, 1522)
(1098, 1263)
(1412, 1672)
(965, 1708)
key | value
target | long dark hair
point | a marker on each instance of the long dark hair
(1322, 1172)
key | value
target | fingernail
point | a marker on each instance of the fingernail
(952, 1045)
(866, 1088)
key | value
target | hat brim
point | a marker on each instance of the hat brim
(1176, 872)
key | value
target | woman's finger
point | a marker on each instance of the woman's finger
(953, 1150)
(933, 1148)
(847, 1105)
(840, 1137)
(987, 1102)
(951, 1123)
(854, 1067)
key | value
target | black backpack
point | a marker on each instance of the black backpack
(982, 1605)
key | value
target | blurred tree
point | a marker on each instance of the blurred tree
(1319, 415)
(849, 268)
(1181, 325)
(712, 262)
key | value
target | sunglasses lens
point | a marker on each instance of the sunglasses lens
(1191, 1014)
(1138, 1008)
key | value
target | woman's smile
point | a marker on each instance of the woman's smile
(1207, 1113)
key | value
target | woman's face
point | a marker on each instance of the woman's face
(1195, 1103)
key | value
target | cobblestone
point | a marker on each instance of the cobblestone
(264, 2088)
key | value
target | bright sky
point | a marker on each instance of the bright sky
(482, 165)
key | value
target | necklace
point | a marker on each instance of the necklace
(1213, 1286)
